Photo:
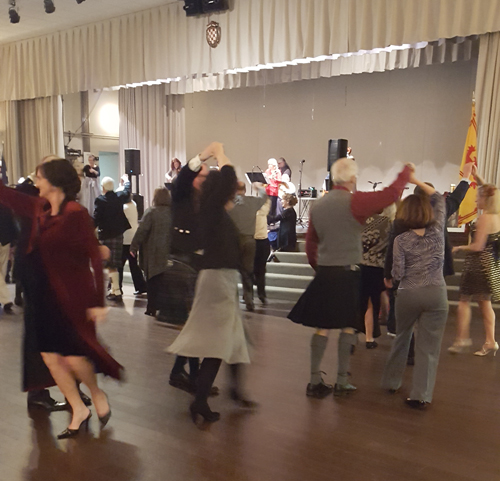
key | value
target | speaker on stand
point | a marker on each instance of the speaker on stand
(133, 168)
(337, 149)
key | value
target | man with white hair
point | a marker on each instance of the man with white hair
(111, 223)
(334, 250)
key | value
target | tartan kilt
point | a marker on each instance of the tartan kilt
(115, 245)
(176, 297)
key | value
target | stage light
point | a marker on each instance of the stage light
(49, 6)
(13, 13)
(79, 1)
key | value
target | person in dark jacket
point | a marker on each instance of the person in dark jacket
(111, 223)
(7, 237)
(287, 235)
(453, 201)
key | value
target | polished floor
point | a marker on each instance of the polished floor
(369, 436)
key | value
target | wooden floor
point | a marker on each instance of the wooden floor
(369, 436)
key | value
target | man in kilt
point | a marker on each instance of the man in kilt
(111, 223)
(334, 250)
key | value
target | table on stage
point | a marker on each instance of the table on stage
(305, 204)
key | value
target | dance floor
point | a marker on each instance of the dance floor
(371, 435)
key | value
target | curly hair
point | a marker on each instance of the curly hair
(60, 173)
(491, 196)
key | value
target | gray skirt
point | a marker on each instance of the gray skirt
(214, 327)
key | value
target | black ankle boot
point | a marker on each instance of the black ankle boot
(203, 409)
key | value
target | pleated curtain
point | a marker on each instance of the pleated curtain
(30, 130)
(488, 107)
(155, 124)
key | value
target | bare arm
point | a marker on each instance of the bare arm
(482, 230)
(479, 180)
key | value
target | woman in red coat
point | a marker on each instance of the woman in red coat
(69, 296)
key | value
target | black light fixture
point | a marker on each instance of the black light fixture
(79, 1)
(49, 6)
(13, 13)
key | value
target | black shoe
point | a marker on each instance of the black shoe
(114, 297)
(343, 389)
(138, 293)
(263, 300)
(410, 361)
(18, 301)
(416, 404)
(71, 433)
(43, 400)
(371, 345)
(86, 400)
(241, 401)
(8, 308)
(203, 409)
(150, 312)
(319, 391)
(182, 381)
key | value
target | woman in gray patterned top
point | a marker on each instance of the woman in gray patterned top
(421, 299)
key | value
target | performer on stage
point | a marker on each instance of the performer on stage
(286, 171)
(273, 177)
(90, 184)
(334, 249)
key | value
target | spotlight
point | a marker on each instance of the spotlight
(13, 13)
(79, 1)
(49, 6)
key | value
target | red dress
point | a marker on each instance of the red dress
(62, 250)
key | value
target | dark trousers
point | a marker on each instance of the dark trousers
(262, 251)
(135, 270)
(208, 372)
(247, 248)
(372, 286)
(155, 289)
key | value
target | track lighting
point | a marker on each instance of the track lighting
(13, 13)
(49, 6)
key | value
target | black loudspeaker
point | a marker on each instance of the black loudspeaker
(133, 161)
(214, 5)
(139, 200)
(337, 149)
(192, 7)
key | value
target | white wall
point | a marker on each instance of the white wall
(418, 115)
(100, 103)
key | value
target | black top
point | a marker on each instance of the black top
(453, 202)
(219, 235)
(87, 173)
(109, 217)
(8, 231)
(185, 234)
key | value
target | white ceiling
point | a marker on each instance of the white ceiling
(68, 14)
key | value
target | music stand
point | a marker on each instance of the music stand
(253, 177)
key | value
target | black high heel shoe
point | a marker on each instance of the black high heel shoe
(103, 420)
(203, 409)
(71, 433)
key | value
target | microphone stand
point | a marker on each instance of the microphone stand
(300, 221)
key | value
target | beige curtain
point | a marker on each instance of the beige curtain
(162, 43)
(154, 124)
(441, 51)
(9, 139)
(30, 130)
(40, 131)
(488, 107)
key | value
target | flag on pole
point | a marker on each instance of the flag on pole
(468, 209)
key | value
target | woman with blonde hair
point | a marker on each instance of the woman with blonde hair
(481, 274)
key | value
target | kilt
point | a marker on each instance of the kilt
(115, 245)
(331, 301)
(176, 297)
